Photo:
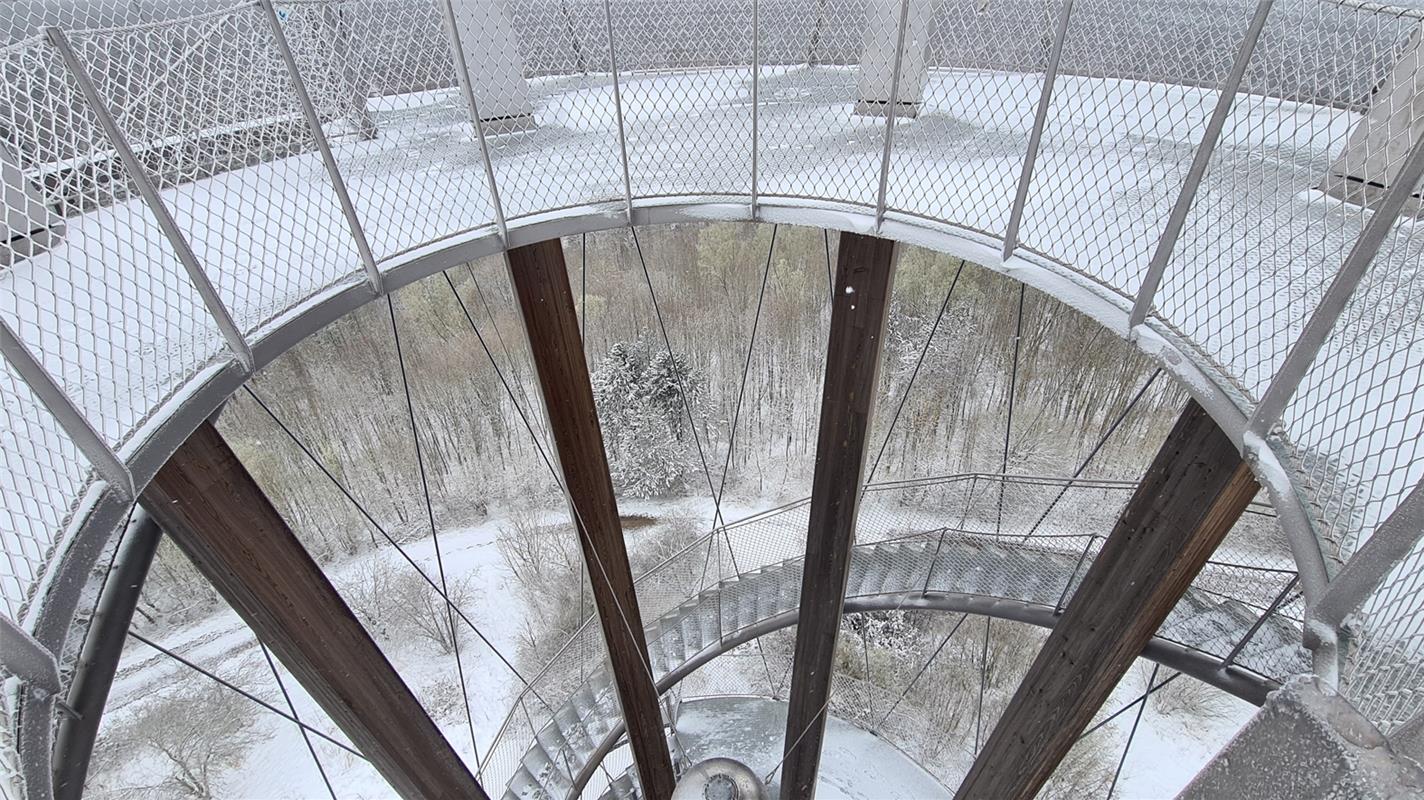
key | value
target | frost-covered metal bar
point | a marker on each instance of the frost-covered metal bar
(99, 660)
(146, 190)
(546, 303)
(212, 508)
(338, 184)
(1035, 136)
(70, 419)
(1394, 539)
(1342, 288)
(26, 659)
(891, 111)
(618, 112)
(859, 309)
(756, 103)
(1210, 137)
(1193, 492)
(462, 71)
(1261, 620)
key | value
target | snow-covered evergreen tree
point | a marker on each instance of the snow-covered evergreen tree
(641, 408)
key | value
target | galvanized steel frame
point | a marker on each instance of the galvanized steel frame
(222, 318)
(1200, 161)
(338, 184)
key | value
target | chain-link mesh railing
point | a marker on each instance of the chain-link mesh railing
(598, 106)
(1259, 243)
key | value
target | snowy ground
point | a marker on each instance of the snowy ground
(1166, 752)
(109, 312)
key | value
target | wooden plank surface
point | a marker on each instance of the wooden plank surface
(541, 284)
(214, 511)
(859, 309)
(1194, 491)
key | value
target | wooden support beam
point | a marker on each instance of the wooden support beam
(859, 309)
(214, 511)
(541, 283)
(1194, 491)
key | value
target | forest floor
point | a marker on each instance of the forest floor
(272, 760)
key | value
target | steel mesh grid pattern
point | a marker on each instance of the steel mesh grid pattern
(1327, 66)
(571, 155)
(207, 105)
(1257, 240)
(1384, 675)
(687, 135)
(1354, 425)
(49, 478)
(109, 311)
(961, 157)
(811, 144)
(401, 129)
(1143, 134)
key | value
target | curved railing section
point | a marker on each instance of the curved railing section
(1232, 186)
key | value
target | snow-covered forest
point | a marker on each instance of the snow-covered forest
(706, 355)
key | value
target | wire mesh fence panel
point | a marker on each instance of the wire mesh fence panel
(401, 128)
(685, 72)
(102, 301)
(1261, 241)
(1384, 672)
(208, 107)
(44, 476)
(812, 142)
(1353, 428)
(22, 18)
(959, 160)
(1136, 85)
(543, 76)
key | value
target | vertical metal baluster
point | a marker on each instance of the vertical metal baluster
(66, 414)
(618, 111)
(1035, 137)
(890, 109)
(1178, 216)
(756, 103)
(146, 189)
(1302, 354)
(462, 71)
(363, 247)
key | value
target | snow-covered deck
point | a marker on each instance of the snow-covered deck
(109, 312)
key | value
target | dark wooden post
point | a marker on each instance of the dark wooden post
(214, 511)
(541, 283)
(859, 309)
(1194, 491)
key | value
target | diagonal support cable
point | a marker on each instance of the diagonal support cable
(250, 696)
(361, 508)
(306, 737)
(434, 529)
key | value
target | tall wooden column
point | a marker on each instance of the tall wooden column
(858, 313)
(1194, 491)
(213, 510)
(541, 283)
